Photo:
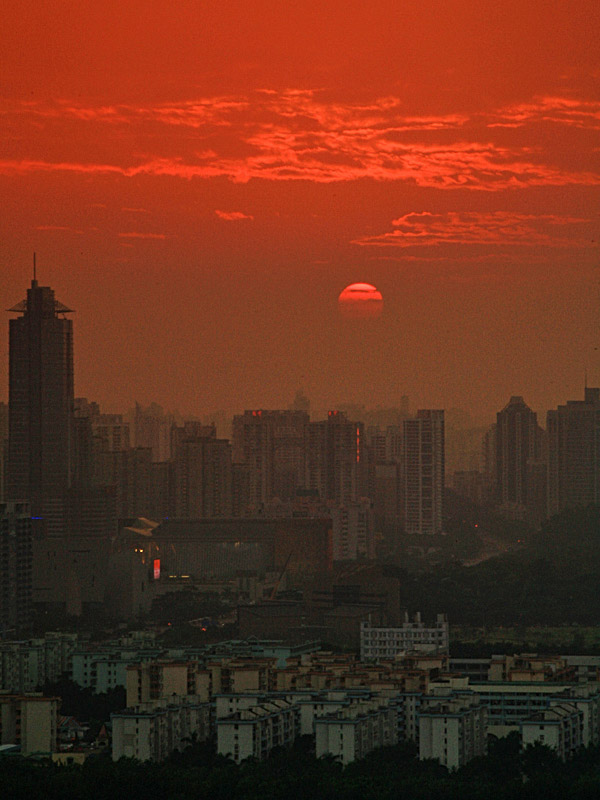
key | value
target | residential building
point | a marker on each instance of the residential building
(27, 665)
(574, 453)
(29, 721)
(150, 733)
(202, 478)
(353, 530)
(271, 446)
(16, 567)
(559, 727)
(518, 445)
(423, 472)
(453, 731)
(155, 681)
(337, 465)
(352, 732)
(257, 730)
(379, 642)
(152, 428)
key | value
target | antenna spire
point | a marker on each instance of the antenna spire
(34, 269)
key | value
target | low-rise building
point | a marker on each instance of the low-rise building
(380, 642)
(153, 681)
(559, 727)
(255, 731)
(530, 667)
(453, 732)
(151, 734)
(28, 664)
(351, 732)
(30, 722)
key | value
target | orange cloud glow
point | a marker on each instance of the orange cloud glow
(214, 173)
(231, 216)
(499, 228)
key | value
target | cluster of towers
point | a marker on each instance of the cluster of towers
(72, 472)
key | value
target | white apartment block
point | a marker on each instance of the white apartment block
(453, 732)
(255, 731)
(151, 734)
(352, 732)
(26, 665)
(310, 704)
(153, 681)
(29, 721)
(559, 727)
(101, 670)
(377, 642)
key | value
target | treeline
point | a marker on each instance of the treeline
(552, 580)
(84, 704)
(387, 774)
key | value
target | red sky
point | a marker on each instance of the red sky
(200, 180)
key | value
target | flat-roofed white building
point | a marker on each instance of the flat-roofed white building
(377, 641)
(453, 732)
(351, 732)
(29, 721)
(151, 734)
(256, 730)
(559, 727)
(27, 664)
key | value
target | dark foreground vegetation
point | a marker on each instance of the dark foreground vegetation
(387, 774)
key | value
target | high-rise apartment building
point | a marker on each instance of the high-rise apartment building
(202, 478)
(40, 400)
(15, 566)
(271, 445)
(336, 459)
(518, 445)
(423, 465)
(152, 428)
(574, 453)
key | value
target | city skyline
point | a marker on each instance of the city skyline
(200, 186)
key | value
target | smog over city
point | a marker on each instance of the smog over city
(300, 399)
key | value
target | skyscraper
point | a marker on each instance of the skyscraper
(271, 445)
(202, 478)
(423, 463)
(518, 445)
(574, 453)
(336, 459)
(40, 400)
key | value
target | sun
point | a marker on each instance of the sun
(360, 301)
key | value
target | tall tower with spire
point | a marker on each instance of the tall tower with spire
(40, 399)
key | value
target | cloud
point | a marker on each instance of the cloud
(136, 210)
(233, 215)
(569, 111)
(495, 229)
(304, 135)
(139, 235)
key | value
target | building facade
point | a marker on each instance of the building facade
(41, 400)
(423, 463)
(574, 453)
(453, 731)
(16, 565)
(377, 642)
